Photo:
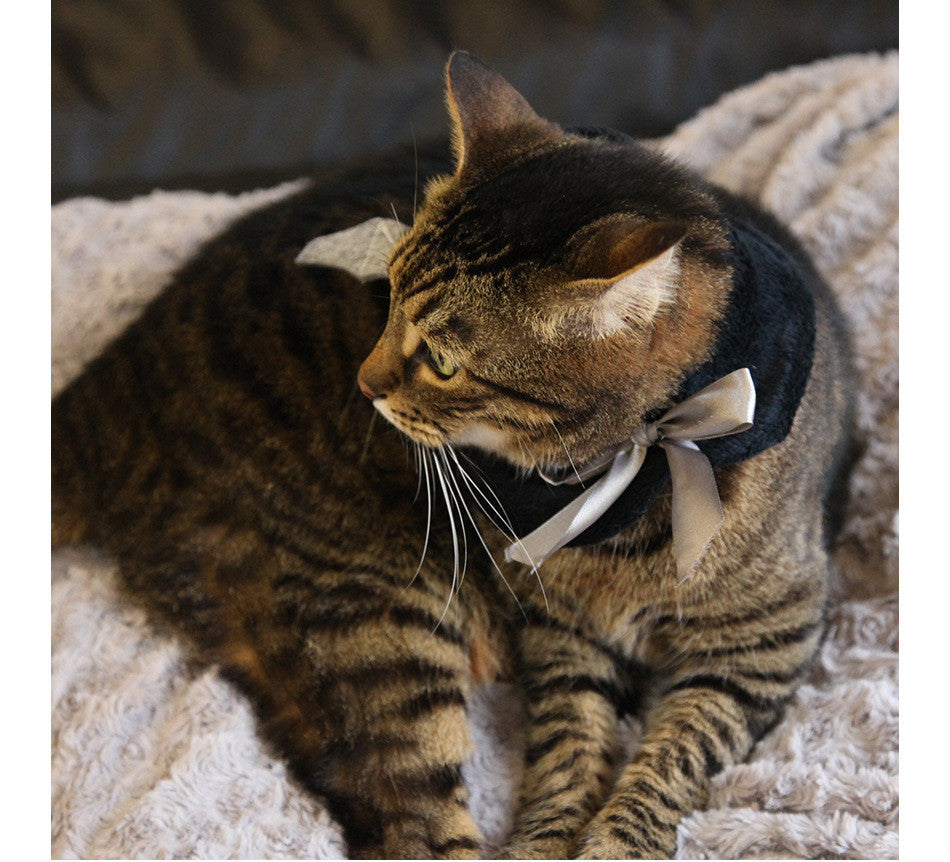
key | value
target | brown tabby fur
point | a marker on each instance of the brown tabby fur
(217, 450)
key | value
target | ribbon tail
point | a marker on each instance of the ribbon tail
(577, 516)
(697, 510)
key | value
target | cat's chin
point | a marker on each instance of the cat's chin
(478, 435)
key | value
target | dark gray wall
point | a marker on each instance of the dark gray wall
(234, 93)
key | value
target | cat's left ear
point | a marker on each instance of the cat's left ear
(485, 111)
(626, 271)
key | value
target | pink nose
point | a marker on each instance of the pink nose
(366, 389)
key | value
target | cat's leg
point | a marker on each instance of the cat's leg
(358, 680)
(573, 688)
(727, 689)
(389, 760)
(376, 710)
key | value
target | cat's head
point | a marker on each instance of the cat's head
(551, 292)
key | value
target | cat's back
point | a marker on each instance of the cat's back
(822, 434)
(238, 381)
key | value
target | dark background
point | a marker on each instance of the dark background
(235, 94)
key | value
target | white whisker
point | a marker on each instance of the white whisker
(384, 228)
(416, 449)
(438, 466)
(347, 404)
(455, 538)
(369, 434)
(569, 458)
(459, 499)
(500, 513)
(459, 504)
(478, 533)
(424, 468)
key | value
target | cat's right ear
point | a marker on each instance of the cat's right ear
(483, 106)
(625, 270)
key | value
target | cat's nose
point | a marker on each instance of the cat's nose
(378, 374)
(366, 389)
(372, 380)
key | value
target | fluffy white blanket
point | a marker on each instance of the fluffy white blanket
(154, 757)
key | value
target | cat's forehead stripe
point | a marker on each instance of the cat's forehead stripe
(426, 308)
(435, 276)
(452, 327)
(434, 319)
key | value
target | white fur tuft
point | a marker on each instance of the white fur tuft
(637, 297)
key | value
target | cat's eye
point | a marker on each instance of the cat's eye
(445, 368)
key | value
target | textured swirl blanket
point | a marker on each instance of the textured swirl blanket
(154, 757)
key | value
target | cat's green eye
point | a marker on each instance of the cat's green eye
(445, 368)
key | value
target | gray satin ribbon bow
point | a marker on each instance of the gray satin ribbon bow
(724, 407)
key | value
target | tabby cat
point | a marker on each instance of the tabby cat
(557, 290)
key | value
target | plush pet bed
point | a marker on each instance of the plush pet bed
(154, 756)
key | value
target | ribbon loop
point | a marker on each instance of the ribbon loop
(362, 250)
(724, 407)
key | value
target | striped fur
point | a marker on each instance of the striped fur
(221, 451)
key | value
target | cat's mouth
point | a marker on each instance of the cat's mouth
(496, 441)
(492, 440)
(412, 426)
